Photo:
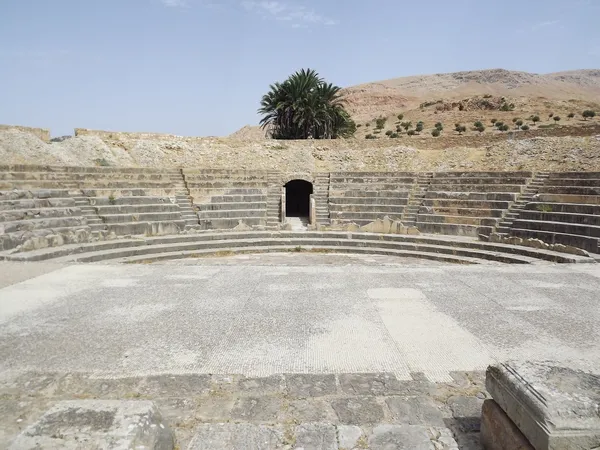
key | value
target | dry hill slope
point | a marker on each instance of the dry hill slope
(561, 92)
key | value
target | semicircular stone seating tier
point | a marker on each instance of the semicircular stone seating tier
(96, 213)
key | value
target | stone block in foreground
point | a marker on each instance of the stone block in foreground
(98, 424)
(498, 432)
(554, 407)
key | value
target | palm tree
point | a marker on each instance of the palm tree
(305, 106)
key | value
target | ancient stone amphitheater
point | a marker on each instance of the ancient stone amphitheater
(90, 214)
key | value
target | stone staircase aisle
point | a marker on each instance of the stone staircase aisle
(529, 192)
(409, 218)
(91, 215)
(321, 196)
(184, 200)
(273, 201)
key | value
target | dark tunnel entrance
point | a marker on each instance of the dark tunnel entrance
(297, 198)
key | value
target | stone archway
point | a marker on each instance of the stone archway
(297, 198)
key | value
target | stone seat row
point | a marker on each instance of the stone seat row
(362, 198)
(564, 211)
(441, 248)
(464, 203)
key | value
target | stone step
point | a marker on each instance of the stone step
(438, 253)
(364, 239)
(232, 214)
(140, 217)
(154, 228)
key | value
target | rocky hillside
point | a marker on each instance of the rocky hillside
(458, 97)
(127, 149)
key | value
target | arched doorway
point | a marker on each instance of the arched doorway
(297, 198)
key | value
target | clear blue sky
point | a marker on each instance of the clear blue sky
(200, 67)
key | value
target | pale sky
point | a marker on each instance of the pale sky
(200, 67)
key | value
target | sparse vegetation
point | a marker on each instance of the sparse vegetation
(544, 208)
(460, 128)
(111, 199)
(411, 132)
(571, 115)
(524, 127)
(550, 115)
(487, 96)
(400, 116)
(556, 119)
(439, 126)
(370, 136)
(504, 127)
(518, 123)
(535, 119)
(101, 162)
(380, 123)
(394, 135)
(388, 132)
(588, 114)
(494, 121)
(435, 132)
(419, 127)
(507, 106)
(406, 125)
(480, 128)
(478, 124)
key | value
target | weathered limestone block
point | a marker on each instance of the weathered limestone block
(498, 432)
(554, 407)
(98, 424)
(387, 226)
(238, 436)
(537, 243)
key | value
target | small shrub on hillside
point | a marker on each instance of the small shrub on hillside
(419, 127)
(399, 128)
(388, 132)
(370, 136)
(460, 129)
(358, 125)
(487, 96)
(515, 119)
(367, 124)
(394, 135)
(111, 199)
(406, 125)
(481, 128)
(411, 132)
(102, 162)
(380, 123)
(494, 121)
(504, 128)
(556, 119)
(588, 114)
(518, 123)
(525, 127)
(478, 124)
(439, 126)
(535, 119)
(400, 116)
(571, 115)
(435, 132)
(499, 124)
(550, 115)
(507, 106)
(377, 131)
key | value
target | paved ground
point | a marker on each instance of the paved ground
(83, 328)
